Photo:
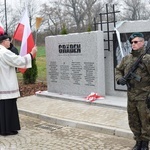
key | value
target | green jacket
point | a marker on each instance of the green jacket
(139, 90)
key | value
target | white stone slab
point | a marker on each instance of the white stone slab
(75, 63)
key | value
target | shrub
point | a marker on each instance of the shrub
(64, 30)
(31, 74)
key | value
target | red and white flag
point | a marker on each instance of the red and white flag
(1, 29)
(23, 34)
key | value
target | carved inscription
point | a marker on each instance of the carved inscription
(64, 72)
(53, 71)
(76, 73)
(89, 73)
(69, 48)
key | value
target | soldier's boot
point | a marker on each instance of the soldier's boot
(145, 145)
(137, 146)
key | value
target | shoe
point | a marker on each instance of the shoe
(137, 146)
(13, 133)
(3, 134)
(9, 133)
(145, 145)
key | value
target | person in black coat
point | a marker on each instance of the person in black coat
(13, 48)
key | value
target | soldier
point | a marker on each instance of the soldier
(139, 92)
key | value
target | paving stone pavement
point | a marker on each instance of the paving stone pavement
(99, 118)
(52, 123)
(36, 134)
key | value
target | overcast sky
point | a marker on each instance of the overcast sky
(14, 3)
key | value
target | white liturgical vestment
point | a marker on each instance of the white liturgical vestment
(8, 79)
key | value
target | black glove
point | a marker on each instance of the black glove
(122, 81)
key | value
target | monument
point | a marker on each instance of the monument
(75, 63)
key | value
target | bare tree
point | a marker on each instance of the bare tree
(113, 5)
(92, 7)
(2, 14)
(33, 10)
(134, 10)
(76, 15)
(76, 9)
(5, 17)
(81, 11)
(53, 17)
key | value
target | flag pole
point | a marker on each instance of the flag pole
(38, 23)
(5, 15)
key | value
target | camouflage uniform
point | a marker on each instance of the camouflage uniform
(138, 113)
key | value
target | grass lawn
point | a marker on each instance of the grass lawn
(41, 65)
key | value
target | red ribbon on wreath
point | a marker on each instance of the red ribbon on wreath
(93, 96)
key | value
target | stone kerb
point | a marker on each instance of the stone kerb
(75, 63)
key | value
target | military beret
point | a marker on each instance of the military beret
(4, 37)
(134, 35)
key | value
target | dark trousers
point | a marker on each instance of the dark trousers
(139, 120)
(9, 118)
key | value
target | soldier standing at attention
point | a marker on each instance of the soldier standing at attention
(138, 94)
